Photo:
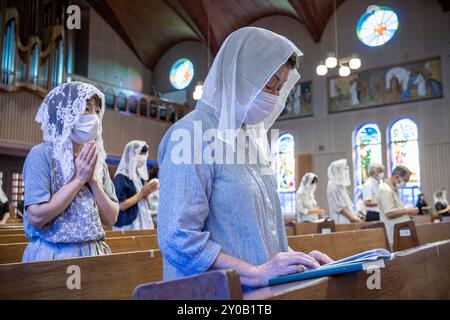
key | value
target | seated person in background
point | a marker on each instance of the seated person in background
(4, 204)
(132, 188)
(392, 210)
(217, 214)
(341, 206)
(424, 208)
(441, 202)
(371, 189)
(69, 193)
(307, 209)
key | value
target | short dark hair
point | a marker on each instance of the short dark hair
(97, 100)
(292, 62)
(402, 171)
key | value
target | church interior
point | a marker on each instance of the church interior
(96, 99)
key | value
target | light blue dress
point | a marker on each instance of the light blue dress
(205, 209)
(77, 231)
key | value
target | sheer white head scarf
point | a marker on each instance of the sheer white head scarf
(247, 60)
(3, 197)
(306, 189)
(128, 163)
(339, 175)
(58, 114)
(440, 196)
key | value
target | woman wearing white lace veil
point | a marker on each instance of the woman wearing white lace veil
(69, 193)
(133, 189)
(216, 214)
(307, 209)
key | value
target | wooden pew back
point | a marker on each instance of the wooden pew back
(102, 277)
(226, 286)
(428, 279)
(418, 273)
(10, 253)
(432, 232)
(341, 244)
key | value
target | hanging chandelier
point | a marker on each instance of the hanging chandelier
(346, 64)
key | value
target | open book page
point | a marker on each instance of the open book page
(366, 256)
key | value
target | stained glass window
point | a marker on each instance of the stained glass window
(181, 73)
(367, 151)
(377, 26)
(404, 150)
(285, 166)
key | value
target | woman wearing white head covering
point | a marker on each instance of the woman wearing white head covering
(341, 206)
(216, 214)
(68, 190)
(307, 209)
(441, 202)
(4, 204)
(132, 188)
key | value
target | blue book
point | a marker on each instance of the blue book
(350, 264)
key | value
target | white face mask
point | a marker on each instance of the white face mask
(141, 160)
(86, 129)
(400, 185)
(261, 108)
(381, 176)
(343, 176)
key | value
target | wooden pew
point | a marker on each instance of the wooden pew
(102, 277)
(422, 219)
(418, 273)
(10, 253)
(341, 244)
(303, 228)
(15, 238)
(214, 285)
(432, 232)
(408, 234)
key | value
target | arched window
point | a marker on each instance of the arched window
(366, 151)
(285, 166)
(404, 150)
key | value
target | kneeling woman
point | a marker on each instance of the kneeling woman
(68, 190)
(132, 188)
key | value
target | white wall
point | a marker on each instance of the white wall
(192, 50)
(112, 61)
(423, 32)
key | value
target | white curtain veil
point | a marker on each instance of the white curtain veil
(247, 60)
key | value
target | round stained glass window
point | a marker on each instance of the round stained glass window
(181, 73)
(377, 26)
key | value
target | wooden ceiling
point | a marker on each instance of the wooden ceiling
(151, 27)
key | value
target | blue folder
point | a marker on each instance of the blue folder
(324, 271)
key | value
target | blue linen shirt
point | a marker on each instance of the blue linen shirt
(205, 209)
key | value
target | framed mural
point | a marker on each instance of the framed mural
(299, 102)
(407, 82)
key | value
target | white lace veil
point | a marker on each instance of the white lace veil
(128, 163)
(247, 60)
(58, 114)
(440, 196)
